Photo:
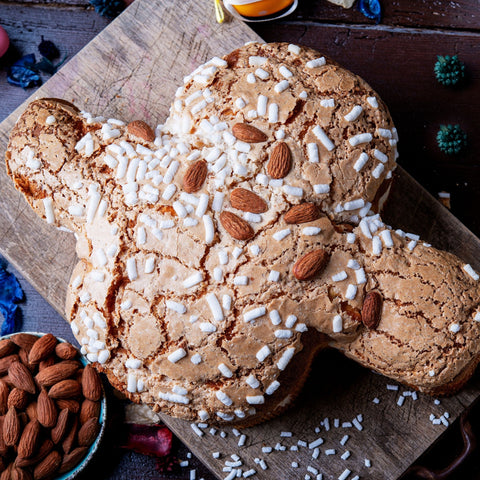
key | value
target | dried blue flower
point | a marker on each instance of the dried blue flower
(23, 74)
(108, 8)
(371, 9)
(10, 294)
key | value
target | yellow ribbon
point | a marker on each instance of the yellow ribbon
(219, 15)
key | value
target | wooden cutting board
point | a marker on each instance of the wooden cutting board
(131, 71)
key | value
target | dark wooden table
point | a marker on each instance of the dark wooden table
(410, 36)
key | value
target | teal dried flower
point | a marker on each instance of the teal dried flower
(449, 70)
(451, 139)
(108, 8)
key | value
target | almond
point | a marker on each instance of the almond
(45, 448)
(372, 309)
(60, 429)
(310, 264)
(48, 362)
(11, 427)
(29, 440)
(89, 410)
(5, 363)
(88, 432)
(20, 474)
(3, 446)
(195, 176)
(303, 213)
(65, 351)
(4, 392)
(6, 347)
(31, 410)
(42, 348)
(46, 410)
(72, 459)
(18, 399)
(237, 227)
(140, 129)
(65, 389)
(24, 340)
(7, 473)
(280, 161)
(24, 359)
(48, 466)
(21, 377)
(247, 201)
(248, 133)
(71, 405)
(91, 384)
(69, 441)
(56, 373)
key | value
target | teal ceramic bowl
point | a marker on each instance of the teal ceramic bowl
(70, 475)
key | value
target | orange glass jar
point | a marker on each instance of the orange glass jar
(256, 10)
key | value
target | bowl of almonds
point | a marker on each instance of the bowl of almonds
(52, 408)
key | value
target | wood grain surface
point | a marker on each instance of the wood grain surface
(131, 71)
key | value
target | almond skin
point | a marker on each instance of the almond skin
(24, 340)
(11, 427)
(237, 227)
(7, 473)
(372, 309)
(65, 351)
(248, 133)
(18, 399)
(45, 448)
(56, 373)
(60, 429)
(303, 213)
(21, 377)
(71, 405)
(24, 359)
(47, 362)
(88, 432)
(42, 348)
(7, 347)
(48, 466)
(5, 363)
(19, 474)
(29, 440)
(65, 389)
(280, 161)
(72, 459)
(195, 176)
(247, 201)
(69, 441)
(46, 410)
(89, 410)
(140, 129)
(3, 446)
(4, 393)
(310, 264)
(91, 384)
(31, 410)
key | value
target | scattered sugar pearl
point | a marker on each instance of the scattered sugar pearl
(337, 324)
(470, 271)
(454, 327)
(373, 102)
